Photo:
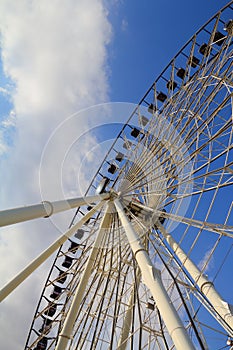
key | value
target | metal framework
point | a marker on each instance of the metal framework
(131, 271)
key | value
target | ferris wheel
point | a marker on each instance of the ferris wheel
(131, 272)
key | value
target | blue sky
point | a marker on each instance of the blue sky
(58, 71)
(147, 34)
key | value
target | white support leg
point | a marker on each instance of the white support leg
(27, 271)
(45, 209)
(152, 278)
(66, 333)
(207, 287)
(122, 343)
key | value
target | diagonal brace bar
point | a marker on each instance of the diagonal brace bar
(27, 271)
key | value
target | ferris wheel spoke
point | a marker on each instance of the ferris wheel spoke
(196, 114)
(202, 126)
(208, 184)
(219, 229)
(226, 126)
(94, 309)
(210, 160)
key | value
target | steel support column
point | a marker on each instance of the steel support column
(207, 287)
(66, 333)
(152, 279)
(122, 343)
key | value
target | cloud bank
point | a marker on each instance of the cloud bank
(55, 53)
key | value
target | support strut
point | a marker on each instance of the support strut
(207, 287)
(66, 333)
(152, 279)
(122, 343)
(45, 209)
(27, 271)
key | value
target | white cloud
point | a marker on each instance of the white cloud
(3, 146)
(10, 120)
(207, 262)
(4, 91)
(124, 24)
(56, 54)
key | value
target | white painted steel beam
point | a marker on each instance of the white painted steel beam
(66, 333)
(45, 209)
(123, 340)
(207, 287)
(27, 271)
(152, 279)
